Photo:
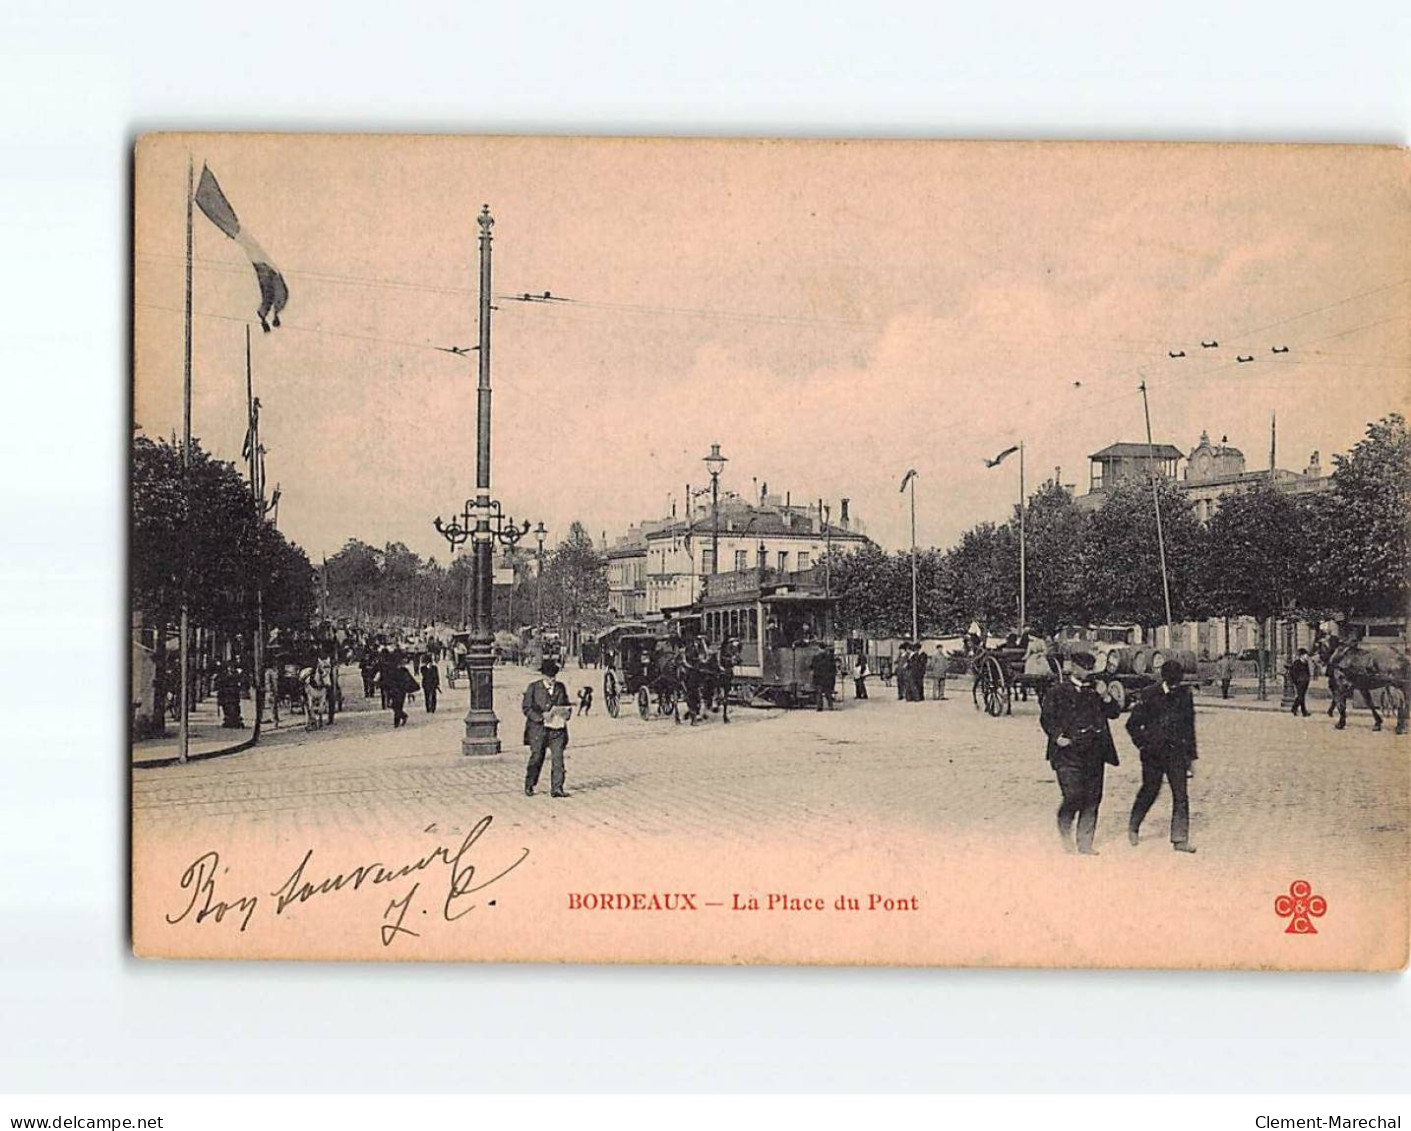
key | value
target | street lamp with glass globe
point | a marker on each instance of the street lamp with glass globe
(715, 464)
(539, 532)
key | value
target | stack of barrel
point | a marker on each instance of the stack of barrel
(1143, 659)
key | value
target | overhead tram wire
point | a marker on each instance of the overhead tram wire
(1082, 342)
(285, 324)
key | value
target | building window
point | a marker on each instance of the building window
(742, 559)
(783, 561)
(804, 559)
(707, 561)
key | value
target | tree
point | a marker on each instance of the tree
(354, 579)
(1055, 530)
(1258, 558)
(980, 580)
(1257, 553)
(575, 593)
(1363, 532)
(196, 532)
(1120, 566)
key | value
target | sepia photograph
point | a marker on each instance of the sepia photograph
(787, 552)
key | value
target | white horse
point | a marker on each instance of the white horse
(315, 681)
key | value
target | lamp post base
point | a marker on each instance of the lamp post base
(481, 734)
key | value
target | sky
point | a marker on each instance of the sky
(831, 313)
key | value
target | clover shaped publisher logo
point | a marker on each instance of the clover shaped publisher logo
(1300, 907)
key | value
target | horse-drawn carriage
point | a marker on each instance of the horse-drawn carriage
(641, 667)
(307, 684)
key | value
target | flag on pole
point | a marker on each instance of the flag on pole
(910, 475)
(999, 459)
(274, 294)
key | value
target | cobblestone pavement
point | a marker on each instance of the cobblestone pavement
(1264, 780)
(931, 800)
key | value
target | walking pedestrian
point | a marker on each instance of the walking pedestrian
(1162, 724)
(1163, 728)
(902, 669)
(1080, 748)
(1225, 672)
(397, 685)
(430, 683)
(860, 676)
(1301, 675)
(546, 710)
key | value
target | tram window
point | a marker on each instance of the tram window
(752, 625)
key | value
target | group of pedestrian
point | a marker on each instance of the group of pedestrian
(910, 671)
(1075, 717)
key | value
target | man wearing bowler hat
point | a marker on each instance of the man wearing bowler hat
(1080, 748)
(546, 712)
(1163, 727)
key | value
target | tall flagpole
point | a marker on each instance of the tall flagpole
(1023, 612)
(184, 730)
(1156, 503)
(915, 623)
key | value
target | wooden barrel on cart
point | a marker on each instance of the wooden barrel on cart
(1119, 660)
(1184, 656)
(1141, 660)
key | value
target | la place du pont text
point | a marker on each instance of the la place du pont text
(738, 901)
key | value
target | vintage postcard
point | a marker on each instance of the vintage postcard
(831, 552)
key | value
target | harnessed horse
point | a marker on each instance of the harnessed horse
(1355, 670)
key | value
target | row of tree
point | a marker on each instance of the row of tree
(394, 585)
(197, 532)
(1263, 553)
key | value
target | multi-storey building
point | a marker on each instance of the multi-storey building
(659, 566)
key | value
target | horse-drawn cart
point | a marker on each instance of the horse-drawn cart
(1122, 671)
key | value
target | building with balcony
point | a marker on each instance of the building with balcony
(660, 566)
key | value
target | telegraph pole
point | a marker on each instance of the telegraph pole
(1156, 504)
(481, 725)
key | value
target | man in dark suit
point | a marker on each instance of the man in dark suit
(1163, 727)
(1300, 675)
(1080, 747)
(821, 668)
(542, 733)
(430, 683)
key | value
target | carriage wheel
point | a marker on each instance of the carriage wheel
(644, 703)
(666, 703)
(610, 693)
(996, 688)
